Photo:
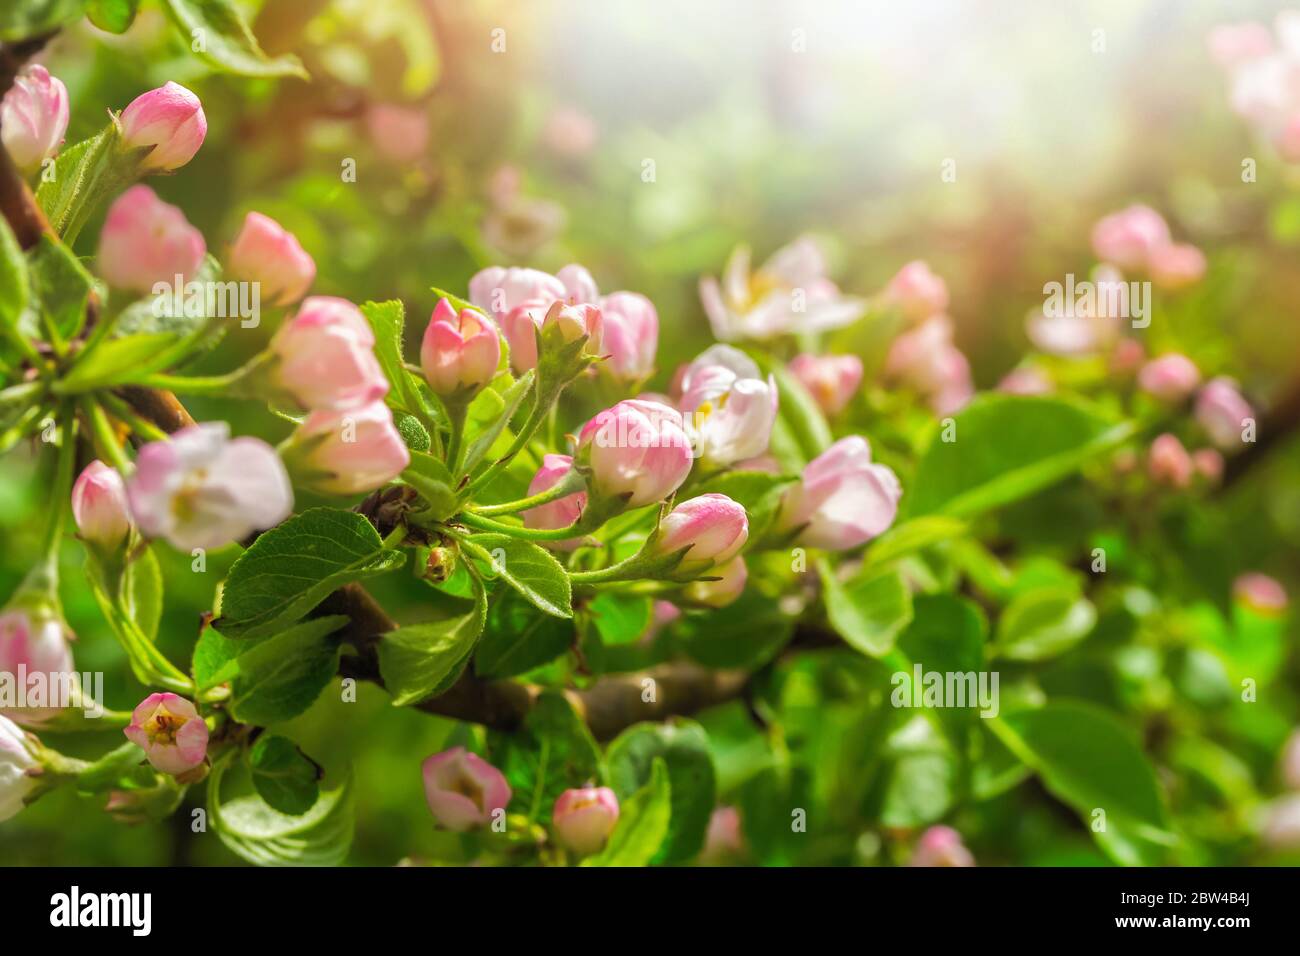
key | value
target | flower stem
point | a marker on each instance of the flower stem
(105, 440)
(519, 531)
(571, 483)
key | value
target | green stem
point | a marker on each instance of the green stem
(572, 482)
(105, 440)
(141, 426)
(531, 424)
(194, 384)
(519, 531)
(456, 414)
(60, 495)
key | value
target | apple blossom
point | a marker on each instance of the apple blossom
(34, 641)
(498, 290)
(1260, 592)
(638, 451)
(348, 452)
(1087, 325)
(917, 292)
(463, 789)
(1170, 378)
(1025, 380)
(832, 380)
(729, 418)
(584, 818)
(1176, 266)
(713, 527)
(1128, 237)
(520, 326)
(170, 119)
(146, 241)
(941, 846)
(401, 133)
(630, 335)
(842, 499)
(1223, 413)
(324, 357)
(100, 507)
(1168, 462)
(202, 489)
(170, 731)
(789, 293)
(1209, 464)
(17, 761)
(560, 513)
(579, 286)
(33, 116)
(728, 585)
(926, 361)
(460, 352)
(267, 253)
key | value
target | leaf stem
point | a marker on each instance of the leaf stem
(519, 531)
(571, 483)
(105, 440)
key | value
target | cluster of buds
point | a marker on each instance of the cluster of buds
(925, 359)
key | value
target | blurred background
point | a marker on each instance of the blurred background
(646, 140)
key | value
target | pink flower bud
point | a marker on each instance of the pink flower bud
(569, 132)
(497, 290)
(1128, 237)
(843, 499)
(926, 361)
(1176, 266)
(1291, 761)
(1170, 378)
(349, 452)
(463, 789)
(99, 506)
(146, 241)
(170, 731)
(1223, 413)
(268, 254)
(637, 450)
(830, 379)
(630, 335)
(1260, 592)
(460, 352)
(1281, 826)
(941, 846)
(171, 120)
(730, 584)
(1025, 380)
(724, 841)
(34, 642)
(579, 286)
(1208, 464)
(1232, 44)
(201, 489)
(712, 526)
(326, 358)
(584, 818)
(16, 759)
(917, 291)
(1127, 356)
(401, 133)
(1168, 462)
(33, 117)
(559, 513)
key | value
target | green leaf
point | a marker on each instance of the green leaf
(22, 19)
(552, 752)
(643, 824)
(387, 321)
(294, 566)
(61, 284)
(532, 571)
(84, 175)
(1091, 761)
(947, 636)
(416, 660)
(266, 837)
(275, 678)
(115, 16)
(869, 610)
(510, 400)
(1043, 623)
(1007, 447)
(144, 593)
(620, 618)
(746, 633)
(519, 639)
(429, 476)
(283, 775)
(227, 42)
(15, 290)
(910, 536)
(798, 410)
(918, 783)
(683, 748)
(114, 362)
